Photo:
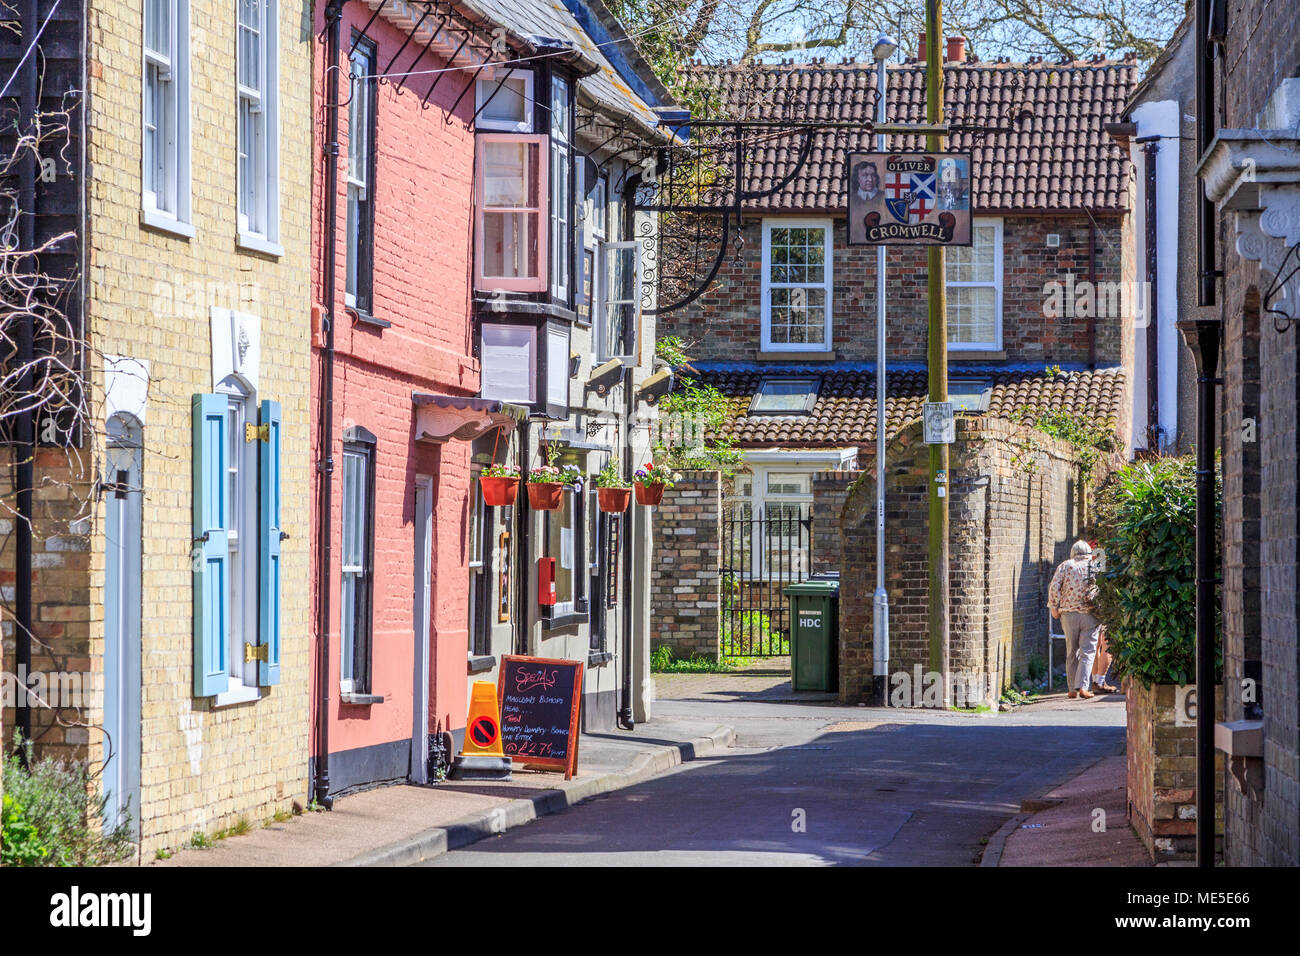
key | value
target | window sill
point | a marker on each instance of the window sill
(597, 658)
(239, 694)
(771, 355)
(249, 242)
(165, 222)
(500, 305)
(361, 700)
(976, 355)
(564, 620)
(365, 318)
(477, 664)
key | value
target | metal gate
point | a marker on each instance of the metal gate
(761, 555)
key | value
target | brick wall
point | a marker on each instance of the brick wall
(62, 627)
(148, 296)
(1010, 523)
(724, 323)
(1261, 488)
(1162, 772)
(685, 558)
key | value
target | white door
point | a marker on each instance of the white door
(420, 618)
(122, 569)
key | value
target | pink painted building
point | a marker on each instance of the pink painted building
(393, 385)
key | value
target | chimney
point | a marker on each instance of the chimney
(956, 49)
(921, 50)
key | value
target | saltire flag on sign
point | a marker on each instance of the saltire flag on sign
(922, 203)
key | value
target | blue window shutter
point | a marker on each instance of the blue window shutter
(268, 671)
(210, 556)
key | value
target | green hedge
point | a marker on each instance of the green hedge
(1146, 516)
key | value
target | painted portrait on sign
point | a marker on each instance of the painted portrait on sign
(909, 199)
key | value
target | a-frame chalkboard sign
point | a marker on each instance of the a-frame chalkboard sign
(540, 701)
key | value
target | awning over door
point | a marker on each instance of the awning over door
(440, 418)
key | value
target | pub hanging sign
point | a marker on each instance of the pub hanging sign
(909, 199)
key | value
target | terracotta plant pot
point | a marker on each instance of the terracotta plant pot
(545, 495)
(499, 491)
(614, 499)
(650, 494)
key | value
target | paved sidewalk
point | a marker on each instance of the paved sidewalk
(1058, 829)
(402, 825)
(735, 686)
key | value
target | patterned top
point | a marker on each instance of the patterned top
(1070, 585)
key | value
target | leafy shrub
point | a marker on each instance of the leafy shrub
(52, 818)
(663, 662)
(20, 843)
(1146, 516)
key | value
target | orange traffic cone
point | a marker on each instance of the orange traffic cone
(481, 756)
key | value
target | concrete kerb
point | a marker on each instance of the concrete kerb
(992, 855)
(438, 840)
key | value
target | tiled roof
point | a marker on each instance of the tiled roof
(1058, 159)
(845, 411)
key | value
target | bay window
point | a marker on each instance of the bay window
(504, 100)
(796, 286)
(510, 173)
(561, 187)
(974, 279)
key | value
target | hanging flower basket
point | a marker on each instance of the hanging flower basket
(499, 490)
(614, 499)
(545, 495)
(649, 495)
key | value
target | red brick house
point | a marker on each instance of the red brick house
(478, 190)
(391, 563)
(1047, 282)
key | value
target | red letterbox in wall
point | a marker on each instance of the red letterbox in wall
(546, 581)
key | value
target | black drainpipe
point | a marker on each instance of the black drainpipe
(25, 426)
(626, 720)
(325, 465)
(1150, 150)
(522, 558)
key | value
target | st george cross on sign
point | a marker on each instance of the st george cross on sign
(909, 199)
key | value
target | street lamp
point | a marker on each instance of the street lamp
(882, 51)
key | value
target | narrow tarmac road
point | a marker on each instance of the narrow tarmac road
(824, 785)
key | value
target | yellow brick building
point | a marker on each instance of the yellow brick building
(197, 275)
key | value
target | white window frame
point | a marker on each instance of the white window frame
(763, 464)
(165, 191)
(561, 187)
(606, 350)
(573, 500)
(768, 285)
(539, 152)
(350, 683)
(362, 103)
(996, 344)
(258, 192)
(243, 479)
(599, 203)
(484, 91)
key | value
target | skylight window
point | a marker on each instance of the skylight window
(785, 396)
(969, 394)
